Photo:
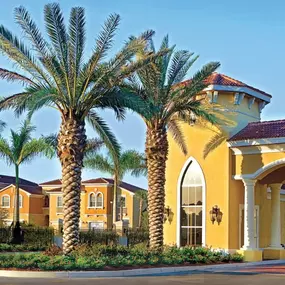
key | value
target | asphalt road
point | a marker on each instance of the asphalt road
(211, 279)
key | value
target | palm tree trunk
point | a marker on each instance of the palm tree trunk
(17, 237)
(71, 145)
(140, 213)
(115, 199)
(156, 154)
(17, 195)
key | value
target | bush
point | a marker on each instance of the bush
(100, 256)
(35, 238)
(105, 237)
(137, 237)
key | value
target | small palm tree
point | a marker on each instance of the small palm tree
(22, 148)
(129, 161)
(161, 85)
(142, 196)
(56, 75)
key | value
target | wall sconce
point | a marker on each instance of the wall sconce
(216, 215)
(168, 215)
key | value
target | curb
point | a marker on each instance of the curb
(134, 272)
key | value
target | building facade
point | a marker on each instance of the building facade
(228, 191)
(42, 204)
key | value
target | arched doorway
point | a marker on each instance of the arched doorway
(191, 205)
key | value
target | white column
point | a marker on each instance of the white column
(275, 216)
(249, 214)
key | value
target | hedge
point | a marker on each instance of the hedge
(34, 236)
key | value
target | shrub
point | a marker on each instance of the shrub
(137, 237)
(99, 256)
(104, 237)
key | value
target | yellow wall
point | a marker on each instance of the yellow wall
(250, 163)
(32, 205)
(218, 168)
(216, 174)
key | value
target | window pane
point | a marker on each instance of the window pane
(123, 202)
(193, 175)
(99, 200)
(188, 216)
(59, 201)
(198, 236)
(92, 200)
(198, 198)
(187, 236)
(5, 201)
(198, 215)
(188, 196)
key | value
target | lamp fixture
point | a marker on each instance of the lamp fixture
(216, 215)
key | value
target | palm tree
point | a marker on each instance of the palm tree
(129, 161)
(56, 75)
(142, 196)
(22, 148)
(161, 85)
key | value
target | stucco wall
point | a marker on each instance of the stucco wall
(216, 173)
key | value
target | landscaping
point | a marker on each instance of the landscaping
(101, 257)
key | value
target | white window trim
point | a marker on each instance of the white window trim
(5, 207)
(101, 207)
(181, 175)
(91, 207)
(60, 196)
(95, 194)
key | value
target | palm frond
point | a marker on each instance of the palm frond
(93, 146)
(54, 22)
(31, 31)
(214, 143)
(99, 162)
(5, 151)
(16, 51)
(177, 134)
(12, 76)
(178, 61)
(134, 162)
(34, 148)
(104, 132)
(76, 42)
(2, 125)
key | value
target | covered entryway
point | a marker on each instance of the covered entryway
(258, 161)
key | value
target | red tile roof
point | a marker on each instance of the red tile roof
(261, 130)
(224, 80)
(52, 182)
(32, 189)
(6, 180)
(125, 185)
(57, 189)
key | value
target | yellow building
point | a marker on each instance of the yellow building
(230, 197)
(96, 203)
(31, 201)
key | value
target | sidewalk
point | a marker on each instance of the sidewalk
(237, 268)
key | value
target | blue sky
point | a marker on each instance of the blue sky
(247, 37)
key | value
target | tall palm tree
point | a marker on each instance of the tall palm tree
(57, 75)
(129, 161)
(172, 101)
(22, 148)
(142, 196)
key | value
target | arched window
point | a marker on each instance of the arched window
(92, 200)
(99, 200)
(191, 215)
(5, 201)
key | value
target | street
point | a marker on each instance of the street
(213, 279)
